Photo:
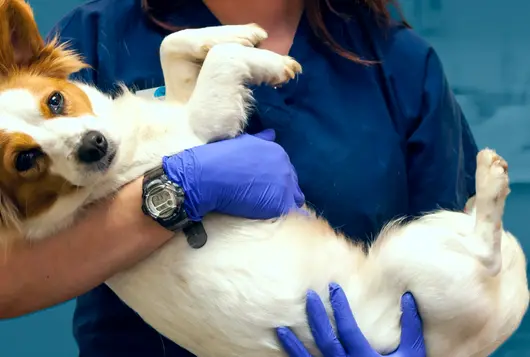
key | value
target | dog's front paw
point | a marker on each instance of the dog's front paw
(196, 43)
(247, 35)
(271, 68)
(291, 69)
(257, 66)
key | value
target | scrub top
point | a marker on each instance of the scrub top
(369, 143)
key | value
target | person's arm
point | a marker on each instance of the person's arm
(227, 176)
(114, 235)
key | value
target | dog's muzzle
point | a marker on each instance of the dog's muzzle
(95, 150)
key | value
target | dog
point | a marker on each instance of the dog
(467, 274)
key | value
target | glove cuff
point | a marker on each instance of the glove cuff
(181, 169)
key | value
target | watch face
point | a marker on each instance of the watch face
(161, 202)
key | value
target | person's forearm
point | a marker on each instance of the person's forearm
(109, 239)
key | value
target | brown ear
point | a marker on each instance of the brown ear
(22, 46)
(9, 215)
(20, 40)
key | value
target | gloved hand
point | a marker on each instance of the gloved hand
(249, 176)
(354, 344)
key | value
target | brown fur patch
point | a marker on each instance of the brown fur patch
(31, 192)
(22, 48)
(27, 62)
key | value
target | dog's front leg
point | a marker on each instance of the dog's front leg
(219, 105)
(182, 54)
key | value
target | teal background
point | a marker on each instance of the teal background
(485, 49)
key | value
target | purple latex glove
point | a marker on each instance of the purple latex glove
(351, 342)
(250, 176)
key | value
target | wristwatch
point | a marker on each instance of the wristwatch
(163, 201)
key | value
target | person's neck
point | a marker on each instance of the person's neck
(272, 15)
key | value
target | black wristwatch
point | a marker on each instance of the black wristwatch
(163, 201)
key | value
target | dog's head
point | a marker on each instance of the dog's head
(51, 142)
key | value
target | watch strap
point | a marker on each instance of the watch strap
(195, 234)
(154, 173)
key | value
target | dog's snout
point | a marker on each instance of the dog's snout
(94, 147)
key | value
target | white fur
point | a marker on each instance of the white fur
(467, 275)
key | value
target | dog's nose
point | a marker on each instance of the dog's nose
(93, 147)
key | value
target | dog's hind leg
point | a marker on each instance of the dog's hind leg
(492, 187)
(219, 106)
(182, 54)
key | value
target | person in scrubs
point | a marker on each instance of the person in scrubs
(371, 128)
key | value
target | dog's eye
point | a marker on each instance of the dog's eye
(56, 103)
(26, 160)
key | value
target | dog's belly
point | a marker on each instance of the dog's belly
(226, 298)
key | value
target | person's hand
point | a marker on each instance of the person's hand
(351, 342)
(249, 176)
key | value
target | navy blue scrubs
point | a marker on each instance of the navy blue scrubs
(369, 143)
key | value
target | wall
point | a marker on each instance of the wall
(484, 47)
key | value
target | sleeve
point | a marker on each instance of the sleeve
(79, 29)
(441, 150)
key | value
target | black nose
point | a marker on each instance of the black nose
(93, 147)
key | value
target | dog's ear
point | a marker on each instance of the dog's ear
(9, 215)
(20, 40)
(10, 226)
(23, 48)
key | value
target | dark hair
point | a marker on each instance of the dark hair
(157, 10)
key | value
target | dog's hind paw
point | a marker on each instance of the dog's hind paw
(492, 175)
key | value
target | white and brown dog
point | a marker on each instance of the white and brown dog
(467, 274)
